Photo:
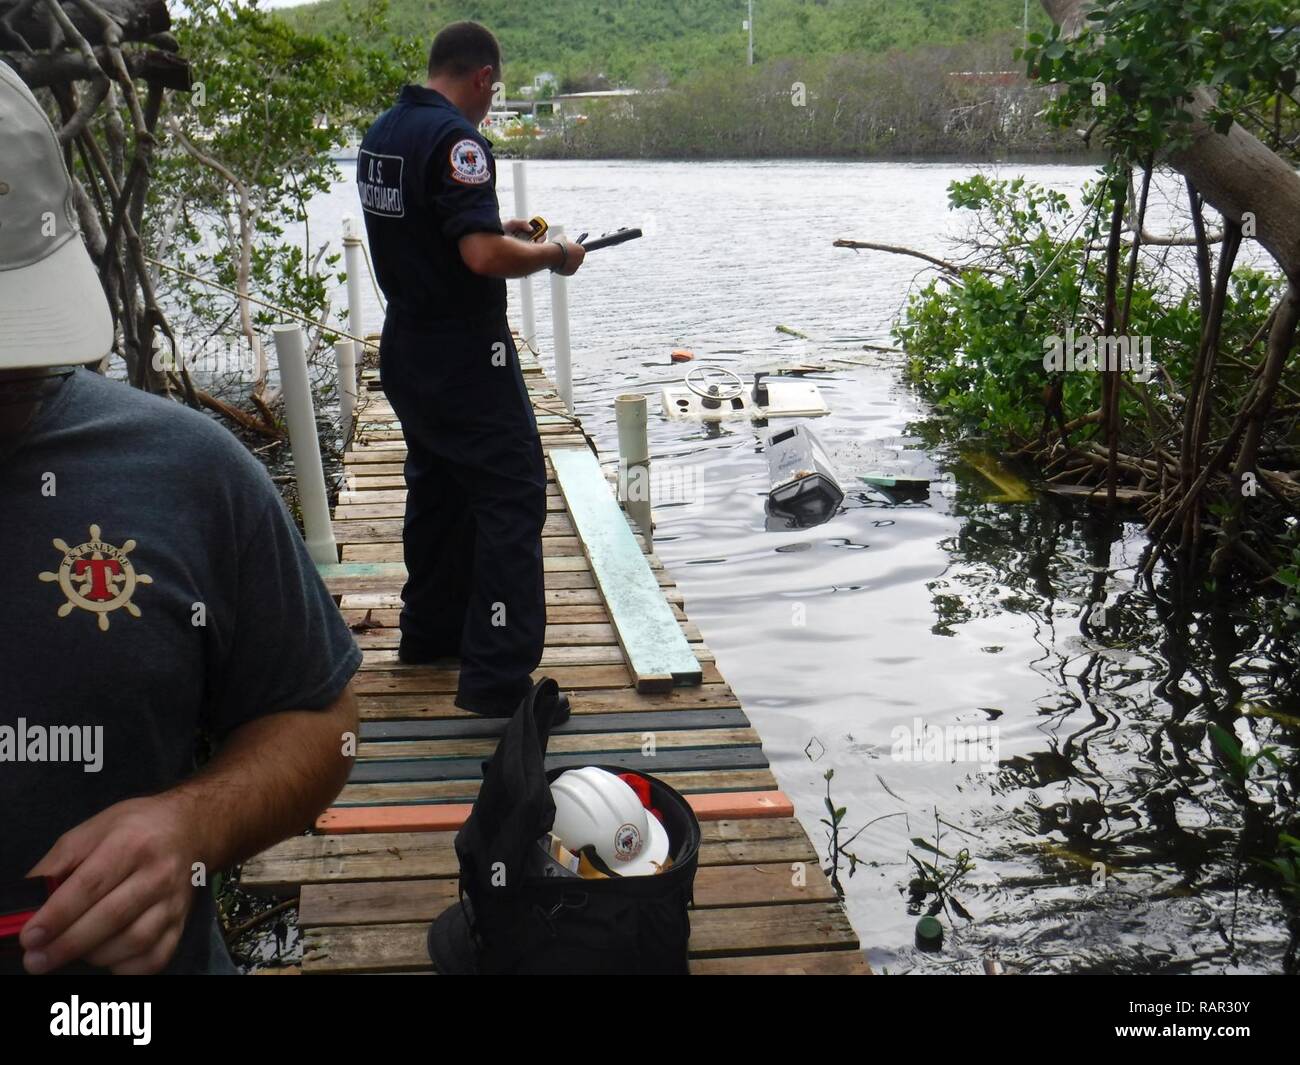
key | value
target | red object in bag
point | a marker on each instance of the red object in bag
(642, 788)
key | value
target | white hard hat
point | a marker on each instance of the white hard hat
(594, 807)
(53, 311)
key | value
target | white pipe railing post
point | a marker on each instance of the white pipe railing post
(560, 332)
(300, 413)
(353, 263)
(634, 461)
(345, 354)
(527, 312)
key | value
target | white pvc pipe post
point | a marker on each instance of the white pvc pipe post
(345, 353)
(353, 264)
(526, 309)
(634, 461)
(300, 413)
(560, 332)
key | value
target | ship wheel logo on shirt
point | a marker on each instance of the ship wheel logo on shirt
(97, 577)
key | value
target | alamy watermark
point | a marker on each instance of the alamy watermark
(659, 482)
(951, 743)
(53, 743)
(1095, 354)
(220, 356)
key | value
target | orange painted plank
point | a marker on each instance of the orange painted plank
(720, 806)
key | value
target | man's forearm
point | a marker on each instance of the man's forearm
(494, 255)
(269, 780)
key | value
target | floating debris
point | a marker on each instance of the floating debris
(1013, 488)
(711, 394)
(929, 935)
(898, 488)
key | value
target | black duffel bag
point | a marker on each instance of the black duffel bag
(512, 919)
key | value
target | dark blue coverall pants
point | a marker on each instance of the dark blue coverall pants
(476, 504)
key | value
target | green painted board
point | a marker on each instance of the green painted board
(361, 569)
(653, 644)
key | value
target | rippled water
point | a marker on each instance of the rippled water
(953, 611)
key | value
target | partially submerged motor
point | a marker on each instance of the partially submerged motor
(805, 490)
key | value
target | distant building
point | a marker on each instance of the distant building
(576, 104)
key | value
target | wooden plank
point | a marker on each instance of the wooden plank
(432, 792)
(351, 578)
(573, 593)
(691, 759)
(385, 902)
(580, 655)
(594, 744)
(378, 530)
(412, 679)
(556, 614)
(412, 856)
(660, 721)
(450, 816)
(558, 634)
(438, 706)
(657, 654)
(739, 930)
(825, 963)
(559, 554)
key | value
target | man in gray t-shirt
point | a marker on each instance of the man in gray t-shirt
(154, 593)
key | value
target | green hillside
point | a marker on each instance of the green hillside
(627, 41)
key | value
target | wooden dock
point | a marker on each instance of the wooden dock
(382, 864)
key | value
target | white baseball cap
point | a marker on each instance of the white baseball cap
(53, 311)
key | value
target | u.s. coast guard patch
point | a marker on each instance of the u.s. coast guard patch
(469, 164)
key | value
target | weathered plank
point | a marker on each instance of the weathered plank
(646, 721)
(657, 654)
(426, 679)
(691, 759)
(592, 743)
(437, 706)
(558, 634)
(418, 792)
(552, 657)
(386, 902)
(446, 817)
(735, 930)
(416, 855)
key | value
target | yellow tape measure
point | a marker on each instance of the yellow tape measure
(539, 228)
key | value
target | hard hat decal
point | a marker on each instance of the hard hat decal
(627, 842)
(97, 577)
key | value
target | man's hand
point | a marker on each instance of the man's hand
(577, 254)
(518, 227)
(127, 890)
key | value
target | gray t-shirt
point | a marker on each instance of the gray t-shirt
(152, 585)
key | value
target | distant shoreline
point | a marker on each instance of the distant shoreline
(1016, 159)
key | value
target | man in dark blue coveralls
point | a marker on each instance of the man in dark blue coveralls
(475, 477)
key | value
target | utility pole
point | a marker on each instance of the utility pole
(749, 25)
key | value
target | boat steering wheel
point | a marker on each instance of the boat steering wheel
(715, 383)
